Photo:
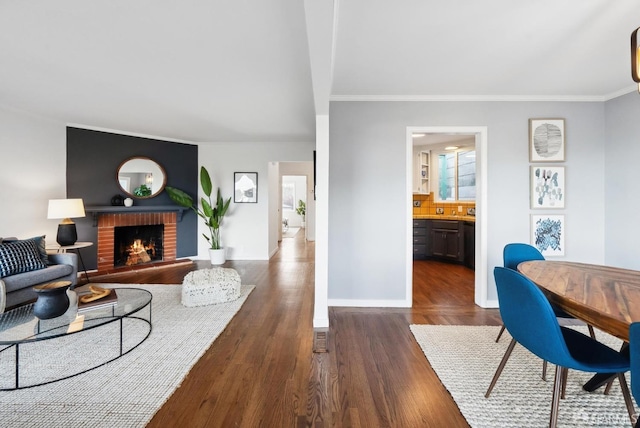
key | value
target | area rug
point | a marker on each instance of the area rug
(126, 392)
(291, 232)
(465, 359)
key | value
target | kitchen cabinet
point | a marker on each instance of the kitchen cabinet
(469, 229)
(420, 239)
(447, 240)
(421, 172)
(444, 240)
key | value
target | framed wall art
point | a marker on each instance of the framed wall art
(245, 187)
(546, 140)
(547, 234)
(547, 187)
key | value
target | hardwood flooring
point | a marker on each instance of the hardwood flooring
(261, 371)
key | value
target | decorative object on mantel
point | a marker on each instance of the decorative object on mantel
(211, 213)
(66, 209)
(128, 202)
(117, 200)
(635, 58)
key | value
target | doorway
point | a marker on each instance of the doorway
(479, 134)
(294, 203)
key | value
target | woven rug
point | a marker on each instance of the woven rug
(465, 359)
(126, 392)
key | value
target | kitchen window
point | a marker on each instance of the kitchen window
(457, 176)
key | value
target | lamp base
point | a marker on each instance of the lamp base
(67, 234)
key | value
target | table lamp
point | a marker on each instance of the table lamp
(66, 209)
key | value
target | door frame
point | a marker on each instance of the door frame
(481, 268)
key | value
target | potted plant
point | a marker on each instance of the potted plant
(212, 213)
(301, 210)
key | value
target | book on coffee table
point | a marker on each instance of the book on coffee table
(107, 301)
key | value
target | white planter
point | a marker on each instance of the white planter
(217, 256)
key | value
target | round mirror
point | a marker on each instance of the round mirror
(141, 177)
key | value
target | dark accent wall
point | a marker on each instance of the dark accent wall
(93, 158)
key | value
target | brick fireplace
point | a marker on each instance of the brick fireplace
(107, 222)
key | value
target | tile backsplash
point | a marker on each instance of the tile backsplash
(429, 207)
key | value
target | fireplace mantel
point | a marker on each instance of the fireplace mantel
(95, 210)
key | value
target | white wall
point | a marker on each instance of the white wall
(246, 229)
(621, 202)
(367, 239)
(32, 171)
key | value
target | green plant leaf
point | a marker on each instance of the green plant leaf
(179, 197)
(206, 207)
(205, 181)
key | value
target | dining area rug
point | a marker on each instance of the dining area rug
(465, 359)
(126, 392)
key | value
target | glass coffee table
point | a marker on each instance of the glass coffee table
(123, 326)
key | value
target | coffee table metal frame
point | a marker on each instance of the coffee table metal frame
(98, 318)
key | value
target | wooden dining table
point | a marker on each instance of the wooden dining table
(604, 297)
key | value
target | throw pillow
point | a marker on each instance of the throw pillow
(18, 257)
(42, 248)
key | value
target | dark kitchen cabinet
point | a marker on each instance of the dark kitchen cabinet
(447, 240)
(420, 239)
(469, 229)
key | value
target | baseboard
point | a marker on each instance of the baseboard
(369, 303)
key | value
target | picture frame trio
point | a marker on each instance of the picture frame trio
(547, 141)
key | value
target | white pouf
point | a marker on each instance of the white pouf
(210, 286)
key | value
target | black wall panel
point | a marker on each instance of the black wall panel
(93, 158)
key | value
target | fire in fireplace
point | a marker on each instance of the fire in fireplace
(137, 244)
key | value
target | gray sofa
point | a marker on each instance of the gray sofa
(17, 289)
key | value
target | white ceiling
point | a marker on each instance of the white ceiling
(213, 70)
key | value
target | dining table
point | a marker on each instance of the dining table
(604, 297)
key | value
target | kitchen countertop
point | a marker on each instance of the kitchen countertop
(445, 217)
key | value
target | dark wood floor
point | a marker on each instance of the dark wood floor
(261, 371)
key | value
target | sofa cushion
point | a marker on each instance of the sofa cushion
(40, 242)
(19, 256)
(27, 279)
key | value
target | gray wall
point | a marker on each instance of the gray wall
(367, 186)
(622, 203)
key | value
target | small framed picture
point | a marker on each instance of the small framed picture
(547, 187)
(546, 140)
(245, 187)
(547, 234)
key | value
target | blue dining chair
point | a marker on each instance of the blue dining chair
(531, 321)
(512, 255)
(634, 353)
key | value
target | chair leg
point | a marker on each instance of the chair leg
(591, 332)
(500, 334)
(627, 397)
(607, 388)
(544, 370)
(501, 367)
(565, 375)
(555, 400)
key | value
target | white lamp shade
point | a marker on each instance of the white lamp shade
(65, 208)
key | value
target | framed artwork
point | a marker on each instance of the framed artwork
(547, 234)
(546, 140)
(547, 187)
(245, 187)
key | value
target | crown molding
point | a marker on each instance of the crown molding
(475, 98)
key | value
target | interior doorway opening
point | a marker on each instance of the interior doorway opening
(416, 183)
